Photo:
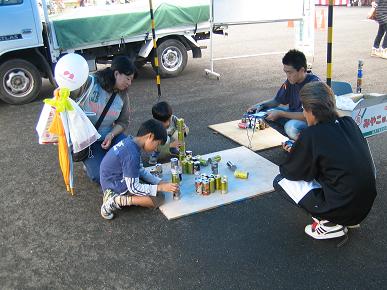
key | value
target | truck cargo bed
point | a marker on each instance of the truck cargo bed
(91, 25)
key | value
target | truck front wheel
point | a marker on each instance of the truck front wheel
(172, 56)
(20, 81)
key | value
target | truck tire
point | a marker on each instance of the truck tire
(20, 81)
(172, 56)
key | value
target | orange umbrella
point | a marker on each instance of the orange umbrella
(60, 102)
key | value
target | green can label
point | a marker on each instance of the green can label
(212, 185)
(175, 178)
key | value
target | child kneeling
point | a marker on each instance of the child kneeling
(121, 170)
(162, 111)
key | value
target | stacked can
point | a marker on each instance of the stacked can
(176, 167)
(198, 185)
(224, 185)
(359, 76)
(206, 187)
(218, 182)
(207, 184)
(196, 168)
(180, 138)
(214, 167)
(176, 180)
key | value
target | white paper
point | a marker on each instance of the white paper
(298, 189)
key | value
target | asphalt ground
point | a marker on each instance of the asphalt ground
(51, 240)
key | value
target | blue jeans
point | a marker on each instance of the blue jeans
(381, 32)
(93, 163)
(287, 127)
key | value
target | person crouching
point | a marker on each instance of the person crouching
(121, 171)
(329, 171)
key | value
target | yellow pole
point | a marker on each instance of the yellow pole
(329, 44)
(156, 60)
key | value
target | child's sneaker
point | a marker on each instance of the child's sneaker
(108, 193)
(153, 158)
(109, 206)
(174, 151)
(324, 229)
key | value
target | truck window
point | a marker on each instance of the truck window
(10, 2)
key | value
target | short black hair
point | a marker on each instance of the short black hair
(162, 111)
(156, 128)
(296, 59)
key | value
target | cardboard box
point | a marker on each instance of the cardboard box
(370, 114)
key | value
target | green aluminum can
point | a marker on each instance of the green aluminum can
(218, 182)
(182, 148)
(180, 124)
(212, 185)
(181, 157)
(175, 178)
(217, 158)
(180, 136)
(184, 166)
(190, 167)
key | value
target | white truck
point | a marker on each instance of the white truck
(32, 41)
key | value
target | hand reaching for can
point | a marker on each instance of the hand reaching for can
(168, 187)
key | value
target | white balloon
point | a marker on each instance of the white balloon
(71, 71)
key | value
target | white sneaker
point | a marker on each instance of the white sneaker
(324, 229)
(375, 52)
(108, 207)
(383, 53)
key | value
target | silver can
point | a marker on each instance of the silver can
(177, 195)
(214, 167)
(196, 168)
(159, 168)
(175, 165)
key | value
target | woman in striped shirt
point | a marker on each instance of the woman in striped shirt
(381, 18)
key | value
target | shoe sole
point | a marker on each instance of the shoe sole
(354, 226)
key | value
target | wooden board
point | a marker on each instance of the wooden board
(261, 139)
(261, 175)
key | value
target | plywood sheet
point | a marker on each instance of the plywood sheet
(261, 175)
(259, 140)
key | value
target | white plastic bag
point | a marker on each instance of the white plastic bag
(82, 131)
(346, 102)
(44, 123)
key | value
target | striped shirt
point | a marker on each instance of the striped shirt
(381, 11)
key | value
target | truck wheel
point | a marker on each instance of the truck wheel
(20, 82)
(172, 56)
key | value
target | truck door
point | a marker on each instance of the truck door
(19, 25)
